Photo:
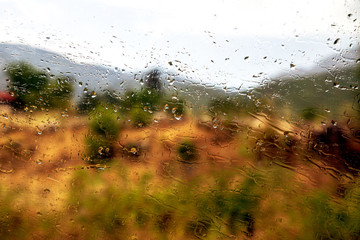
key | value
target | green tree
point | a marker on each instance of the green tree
(88, 102)
(34, 88)
(27, 83)
(58, 93)
(153, 81)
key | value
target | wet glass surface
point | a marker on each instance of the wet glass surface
(179, 120)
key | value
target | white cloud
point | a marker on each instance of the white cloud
(142, 29)
(261, 17)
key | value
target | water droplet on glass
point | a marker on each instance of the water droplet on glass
(39, 131)
(133, 150)
(178, 117)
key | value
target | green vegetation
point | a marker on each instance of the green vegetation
(258, 204)
(105, 122)
(175, 108)
(325, 93)
(140, 106)
(187, 151)
(104, 130)
(88, 102)
(99, 150)
(269, 179)
(38, 90)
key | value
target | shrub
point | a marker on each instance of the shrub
(88, 103)
(104, 130)
(98, 149)
(34, 88)
(58, 93)
(139, 117)
(174, 108)
(149, 99)
(105, 122)
(309, 113)
(187, 151)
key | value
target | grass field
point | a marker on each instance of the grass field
(193, 178)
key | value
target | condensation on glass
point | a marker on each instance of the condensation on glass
(206, 120)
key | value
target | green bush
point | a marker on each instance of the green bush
(309, 113)
(332, 218)
(174, 108)
(104, 130)
(139, 117)
(24, 78)
(187, 151)
(34, 88)
(105, 122)
(88, 102)
(58, 93)
(99, 149)
(146, 98)
(149, 99)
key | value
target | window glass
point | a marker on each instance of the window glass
(160, 119)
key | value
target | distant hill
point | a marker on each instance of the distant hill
(326, 94)
(90, 76)
(100, 78)
(325, 91)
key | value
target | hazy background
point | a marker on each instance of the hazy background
(230, 43)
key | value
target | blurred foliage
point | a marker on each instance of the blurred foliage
(176, 211)
(88, 102)
(227, 109)
(153, 80)
(99, 149)
(331, 93)
(270, 193)
(58, 93)
(223, 205)
(174, 107)
(25, 78)
(35, 88)
(104, 129)
(105, 122)
(146, 98)
(309, 114)
(139, 116)
(187, 151)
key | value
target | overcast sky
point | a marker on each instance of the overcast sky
(222, 41)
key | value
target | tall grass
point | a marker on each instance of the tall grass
(265, 203)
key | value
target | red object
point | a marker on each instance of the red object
(6, 97)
